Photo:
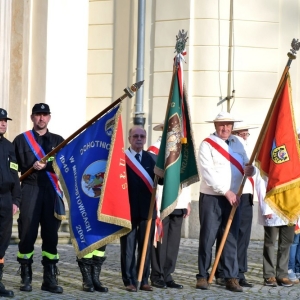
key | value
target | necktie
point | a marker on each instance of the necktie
(227, 142)
(138, 157)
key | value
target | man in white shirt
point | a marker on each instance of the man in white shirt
(222, 162)
(241, 129)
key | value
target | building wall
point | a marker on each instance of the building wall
(48, 63)
(78, 56)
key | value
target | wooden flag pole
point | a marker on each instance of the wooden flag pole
(147, 233)
(291, 55)
(129, 92)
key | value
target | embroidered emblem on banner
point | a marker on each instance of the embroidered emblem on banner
(109, 126)
(280, 155)
(173, 145)
(92, 178)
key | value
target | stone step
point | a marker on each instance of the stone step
(63, 233)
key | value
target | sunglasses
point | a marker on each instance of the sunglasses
(136, 136)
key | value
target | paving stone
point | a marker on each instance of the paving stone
(186, 270)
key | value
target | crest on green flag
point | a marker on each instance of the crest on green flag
(176, 160)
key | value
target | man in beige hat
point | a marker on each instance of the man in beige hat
(222, 162)
(241, 129)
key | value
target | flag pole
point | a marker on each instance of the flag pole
(292, 55)
(153, 200)
(129, 92)
(147, 234)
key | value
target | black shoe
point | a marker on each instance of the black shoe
(50, 283)
(174, 285)
(25, 271)
(245, 283)
(221, 281)
(4, 292)
(159, 284)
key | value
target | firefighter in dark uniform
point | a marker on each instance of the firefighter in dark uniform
(10, 194)
(39, 198)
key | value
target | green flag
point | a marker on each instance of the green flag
(176, 161)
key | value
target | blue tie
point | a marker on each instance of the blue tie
(137, 156)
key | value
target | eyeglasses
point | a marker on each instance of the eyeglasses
(243, 134)
(136, 136)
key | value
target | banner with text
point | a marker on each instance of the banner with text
(92, 172)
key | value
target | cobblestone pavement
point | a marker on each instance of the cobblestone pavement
(70, 278)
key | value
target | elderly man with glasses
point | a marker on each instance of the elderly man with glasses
(140, 175)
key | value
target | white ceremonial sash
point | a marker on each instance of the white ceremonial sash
(133, 163)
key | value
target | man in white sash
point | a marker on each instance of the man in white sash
(241, 129)
(140, 175)
(222, 162)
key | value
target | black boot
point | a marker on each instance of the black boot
(50, 282)
(85, 266)
(26, 277)
(96, 270)
(3, 291)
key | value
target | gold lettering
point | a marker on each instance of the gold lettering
(124, 186)
(123, 175)
(122, 162)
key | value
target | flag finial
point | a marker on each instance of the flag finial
(181, 39)
(295, 47)
(131, 90)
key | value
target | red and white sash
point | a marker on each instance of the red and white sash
(229, 157)
(39, 154)
(138, 169)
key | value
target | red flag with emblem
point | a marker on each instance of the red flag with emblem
(278, 158)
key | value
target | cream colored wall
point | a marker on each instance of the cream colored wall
(48, 63)
(5, 38)
(66, 64)
(100, 57)
(111, 56)
(78, 56)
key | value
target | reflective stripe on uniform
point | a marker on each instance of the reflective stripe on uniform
(49, 255)
(25, 256)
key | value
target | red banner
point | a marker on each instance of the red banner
(114, 198)
(278, 158)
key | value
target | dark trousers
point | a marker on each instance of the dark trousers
(164, 256)
(214, 212)
(37, 207)
(129, 265)
(6, 220)
(285, 239)
(246, 215)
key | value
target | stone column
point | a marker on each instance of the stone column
(5, 30)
